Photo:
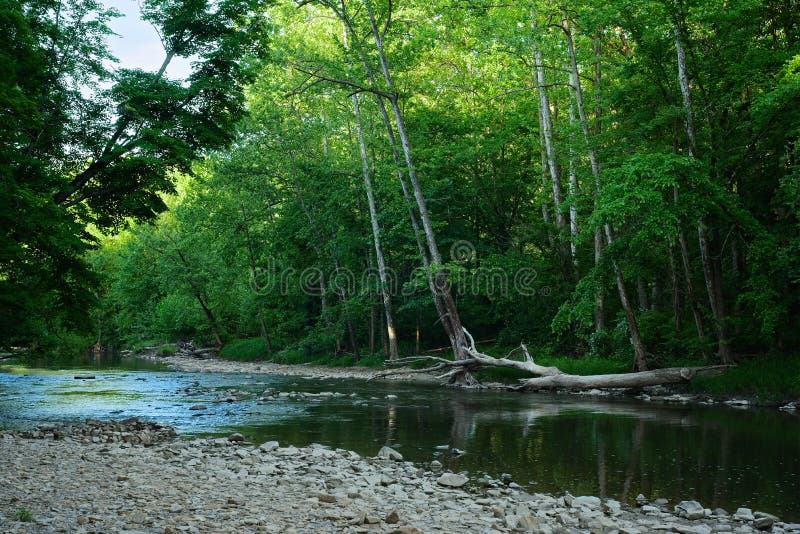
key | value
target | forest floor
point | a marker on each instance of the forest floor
(100, 477)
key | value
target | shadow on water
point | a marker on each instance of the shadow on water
(609, 447)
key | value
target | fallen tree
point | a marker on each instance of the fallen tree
(551, 377)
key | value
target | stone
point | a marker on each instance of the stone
(197, 407)
(268, 446)
(743, 514)
(436, 466)
(692, 529)
(452, 480)
(326, 497)
(392, 517)
(612, 507)
(389, 453)
(587, 502)
(370, 519)
(690, 510)
(641, 500)
(236, 438)
(763, 523)
(406, 530)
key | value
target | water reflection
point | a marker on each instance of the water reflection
(609, 447)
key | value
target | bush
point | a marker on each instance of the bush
(245, 350)
(24, 515)
(167, 350)
(766, 377)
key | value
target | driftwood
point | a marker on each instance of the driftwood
(552, 377)
(187, 349)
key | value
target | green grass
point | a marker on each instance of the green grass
(768, 378)
(23, 514)
(168, 349)
(140, 345)
(245, 350)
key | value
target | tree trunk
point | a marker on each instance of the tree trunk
(254, 275)
(599, 299)
(546, 125)
(640, 360)
(440, 279)
(676, 296)
(554, 378)
(641, 293)
(373, 217)
(690, 295)
(264, 333)
(713, 283)
(573, 193)
(212, 320)
(423, 252)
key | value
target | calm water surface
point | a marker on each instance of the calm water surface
(609, 447)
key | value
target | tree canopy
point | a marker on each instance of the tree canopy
(592, 180)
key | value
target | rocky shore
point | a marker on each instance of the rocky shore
(669, 394)
(132, 477)
(215, 365)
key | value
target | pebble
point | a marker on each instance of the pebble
(223, 486)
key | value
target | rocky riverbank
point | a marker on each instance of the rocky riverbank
(215, 365)
(92, 479)
(668, 394)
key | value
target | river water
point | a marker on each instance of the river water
(609, 447)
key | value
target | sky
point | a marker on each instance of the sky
(137, 45)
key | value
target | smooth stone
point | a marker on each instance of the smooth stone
(452, 480)
(236, 438)
(268, 446)
(690, 510)
(326, 497)
(743, 514)
(587, 501)
(763, 523)
(389, 453)
(197, 407)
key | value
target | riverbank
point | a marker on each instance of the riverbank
(96, 478)
(669, 394)
(216, 365)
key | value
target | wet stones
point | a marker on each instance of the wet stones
(133, 431)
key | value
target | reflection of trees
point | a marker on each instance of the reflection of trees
(610, 448)
(619, 449)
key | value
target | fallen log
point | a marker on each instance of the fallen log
(552, 377)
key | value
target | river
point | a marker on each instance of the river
(611, 447)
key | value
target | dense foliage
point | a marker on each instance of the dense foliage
(594, 176)
(89, 147)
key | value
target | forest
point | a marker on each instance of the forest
(363, 180)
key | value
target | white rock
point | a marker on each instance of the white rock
(452, 480)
